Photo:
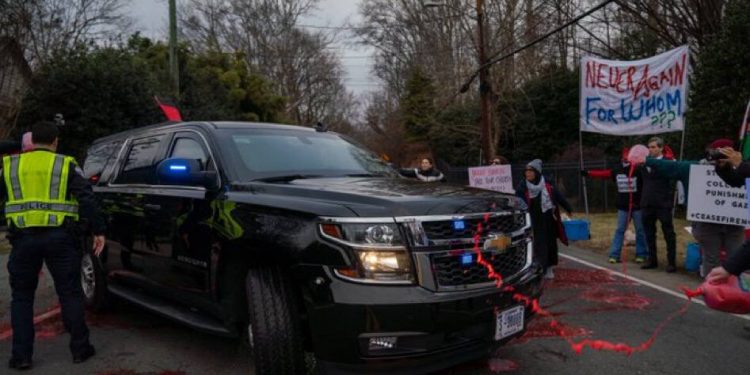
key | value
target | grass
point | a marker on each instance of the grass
(602, 230)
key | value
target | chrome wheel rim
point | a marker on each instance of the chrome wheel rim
(88, 279)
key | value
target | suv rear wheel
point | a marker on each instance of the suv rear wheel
(93, 279)
(273, 331)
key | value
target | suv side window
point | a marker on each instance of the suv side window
(189, 148)
(139, 164)
(99, 156)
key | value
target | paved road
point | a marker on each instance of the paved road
(586, 303)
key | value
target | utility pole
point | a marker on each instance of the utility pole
(174, 70)
(485, 89)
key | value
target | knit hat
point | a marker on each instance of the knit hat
(721, 143)
(535, 164)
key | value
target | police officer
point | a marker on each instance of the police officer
(44, 194)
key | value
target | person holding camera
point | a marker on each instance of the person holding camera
(711, 237)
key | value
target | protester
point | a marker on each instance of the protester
(656, 204)
(629, 190)
(733, 171)
(711, 237)
(499, 160)
(426, 172)
(543, 199)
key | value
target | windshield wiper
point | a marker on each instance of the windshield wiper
(287, 178)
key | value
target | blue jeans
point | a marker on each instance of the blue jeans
(640, 235)
(60, 251)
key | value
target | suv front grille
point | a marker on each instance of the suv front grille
(449, 270)
(444, 230)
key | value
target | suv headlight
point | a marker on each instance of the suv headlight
(379, 250)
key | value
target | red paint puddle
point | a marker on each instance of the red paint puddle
(616, 300)
(574, 277)
(501, 365)
(540, 329)
(569, 277)
(50, 328)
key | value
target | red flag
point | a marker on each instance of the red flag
(170, 110)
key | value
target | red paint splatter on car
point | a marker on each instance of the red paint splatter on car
(570, 277)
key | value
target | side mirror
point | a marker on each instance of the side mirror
(186, 172)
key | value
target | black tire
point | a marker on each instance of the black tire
(273, 331)
(93, 280)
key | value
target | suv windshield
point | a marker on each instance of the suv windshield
(268, 153)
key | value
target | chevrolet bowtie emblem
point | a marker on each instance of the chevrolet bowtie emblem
(497, 242)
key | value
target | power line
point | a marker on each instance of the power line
(494, 60)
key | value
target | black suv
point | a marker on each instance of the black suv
(299, 240)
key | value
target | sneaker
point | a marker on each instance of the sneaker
(19, 364)
(613, 260)
(671, 269)
(640, 260)
(84, 355)
(549, 274)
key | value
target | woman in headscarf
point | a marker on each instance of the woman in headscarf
(543, 200)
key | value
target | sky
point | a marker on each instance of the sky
(150, 17)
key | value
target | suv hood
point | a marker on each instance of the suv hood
(377, 197)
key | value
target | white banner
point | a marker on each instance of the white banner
(494, 177)
(710, 200)
(635, 97)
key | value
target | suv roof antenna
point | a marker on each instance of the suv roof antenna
(320, 127)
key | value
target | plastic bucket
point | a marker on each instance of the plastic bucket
(577, 230)
(692, 257)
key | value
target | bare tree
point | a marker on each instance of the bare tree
(44, 27)
(299, 62)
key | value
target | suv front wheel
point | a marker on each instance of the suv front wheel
(273, 331)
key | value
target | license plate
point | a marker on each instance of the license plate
(509, 322)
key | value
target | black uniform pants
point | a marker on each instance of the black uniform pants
(650, 215)
(58, 248)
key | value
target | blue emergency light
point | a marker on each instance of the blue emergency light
(459, 225)
(178, 168)
(466, 259)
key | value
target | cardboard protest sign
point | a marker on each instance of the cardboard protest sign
(634, 97)
(710, 200)
(494, 177)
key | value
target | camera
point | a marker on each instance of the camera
(714, 154)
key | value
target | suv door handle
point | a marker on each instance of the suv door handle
(152, 206)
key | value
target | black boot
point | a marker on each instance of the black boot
(19, 364)
(84, 354)
(650, 265)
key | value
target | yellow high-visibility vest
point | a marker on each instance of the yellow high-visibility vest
(37, 184)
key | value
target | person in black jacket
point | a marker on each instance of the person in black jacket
(629, 190)
(657, 202)
(543, 199)
(733, 171)
(426, 172)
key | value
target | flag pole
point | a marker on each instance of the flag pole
(583, 179)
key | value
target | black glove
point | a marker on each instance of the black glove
(584, 173)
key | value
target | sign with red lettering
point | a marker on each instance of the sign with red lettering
(494, 177)
(635, 97)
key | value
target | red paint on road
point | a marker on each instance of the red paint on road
(616, 300)
(552, 328)
(501, 365)
(569, 277)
